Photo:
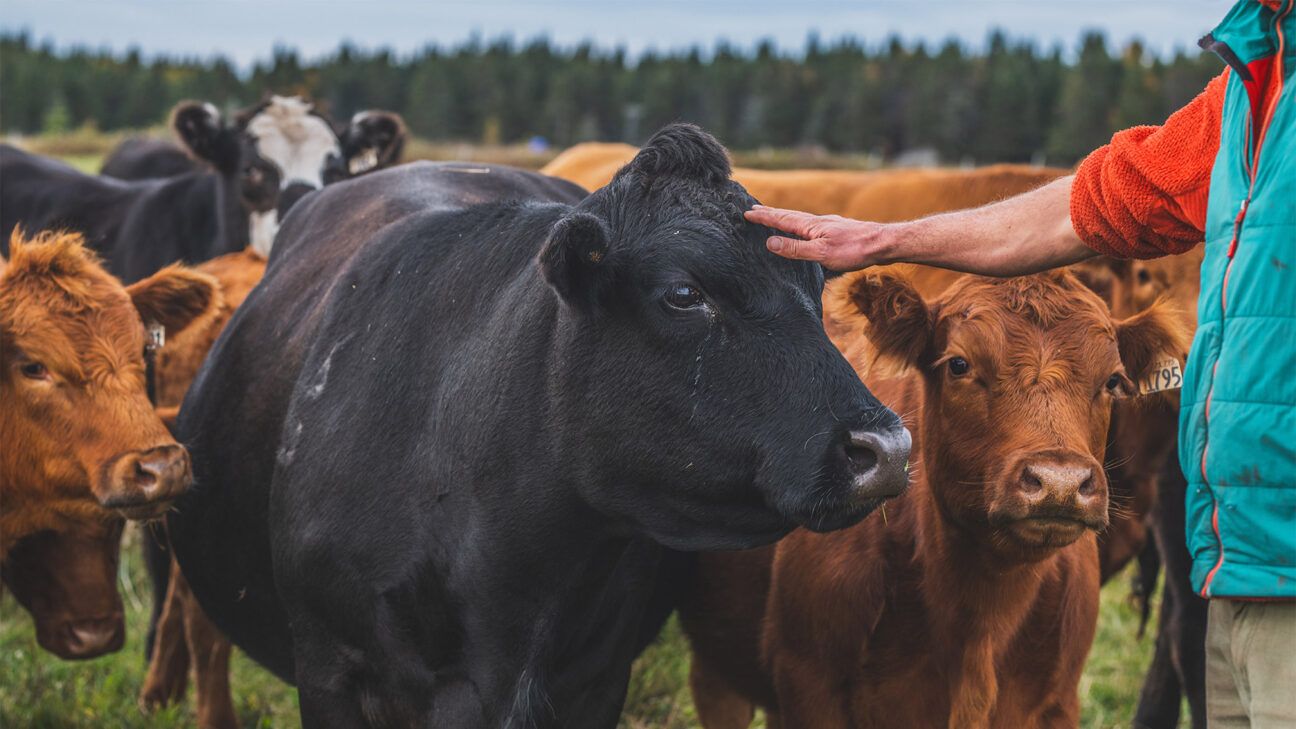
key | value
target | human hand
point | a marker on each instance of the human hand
(838, 243)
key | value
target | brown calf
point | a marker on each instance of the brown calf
(81, 439)
(67, 581)
(972, 600)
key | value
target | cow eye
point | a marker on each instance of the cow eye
(959, 366)
(683, 296)
(34, 371)
(1114, 383)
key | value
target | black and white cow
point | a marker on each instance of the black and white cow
(440, 450)
(259, 162)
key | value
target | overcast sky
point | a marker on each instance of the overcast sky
(246, 30)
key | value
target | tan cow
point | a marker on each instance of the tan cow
(882, 195)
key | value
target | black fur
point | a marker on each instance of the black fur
(432, 493)
(140, 158)
(1178, 668)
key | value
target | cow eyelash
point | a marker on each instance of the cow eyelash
(1118, 385)
(34, 371)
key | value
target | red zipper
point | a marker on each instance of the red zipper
(1271, 106)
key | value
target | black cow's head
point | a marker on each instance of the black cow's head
(282, 148)
(696, 367)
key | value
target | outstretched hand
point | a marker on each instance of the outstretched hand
(835, 242)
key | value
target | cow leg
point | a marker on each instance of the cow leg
(211, 652)
(1158, 706)
(168, 670)
(1188, 617)
(718, 706)
(1183, 615)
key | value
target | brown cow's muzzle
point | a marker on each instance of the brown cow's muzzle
(1049, 499)
(142, 485)
(80, 639)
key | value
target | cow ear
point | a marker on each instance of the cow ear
(203, 134)
(893, 316)
(572, 258)
(1155, 335)
(176, 297)
(373, 140)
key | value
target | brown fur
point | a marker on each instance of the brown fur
(73, 434)
(945, 608)
(185, 636)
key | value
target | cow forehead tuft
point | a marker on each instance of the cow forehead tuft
(290, 119)
(55, 270)
(1046, 300)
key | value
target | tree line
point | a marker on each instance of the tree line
(1008, 102)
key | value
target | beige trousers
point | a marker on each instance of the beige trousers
(1251, 665)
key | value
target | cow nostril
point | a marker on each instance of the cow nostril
(1087, 487)
(862, 459)
(1030, 482)
(145, 474)
(879, 461)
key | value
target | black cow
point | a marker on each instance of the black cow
(439, 450)
(144, 158)
(273, 152)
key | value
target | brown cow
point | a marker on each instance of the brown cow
(185, 637)
(972, 600)
(80, 434)
(67, 581)
(882, 195)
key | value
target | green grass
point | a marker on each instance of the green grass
(37, 690)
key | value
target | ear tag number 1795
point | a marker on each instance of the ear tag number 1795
(1165, 375)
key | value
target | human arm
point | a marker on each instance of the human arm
(1023, 234)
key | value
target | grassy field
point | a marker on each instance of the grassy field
(39, 691)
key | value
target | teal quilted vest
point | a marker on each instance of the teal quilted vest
(1237, 430)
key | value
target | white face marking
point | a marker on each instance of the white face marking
(262, 228)
(295, 140)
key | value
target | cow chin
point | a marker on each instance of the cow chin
(145, 512)
(1048, 532)
(1036, 536)
(827, 516)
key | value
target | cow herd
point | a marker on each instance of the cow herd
(445, 444)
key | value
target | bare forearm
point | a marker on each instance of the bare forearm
(1024, 234)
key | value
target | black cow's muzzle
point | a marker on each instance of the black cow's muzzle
(879, 462)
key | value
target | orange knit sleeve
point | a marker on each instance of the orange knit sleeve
(1144, 194)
